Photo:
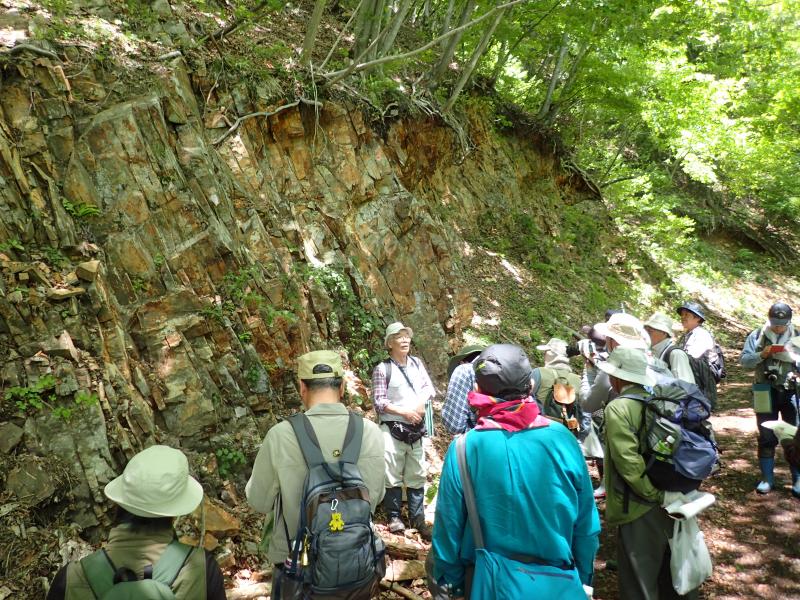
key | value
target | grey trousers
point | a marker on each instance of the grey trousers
(643, 555)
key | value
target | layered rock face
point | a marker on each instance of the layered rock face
(157, 286)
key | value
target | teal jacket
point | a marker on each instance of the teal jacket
(534, 496)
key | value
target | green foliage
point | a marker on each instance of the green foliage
(357, 326)
(245, 337)
(55, 257)
(12, 244)
(159, 260)
(230, 460)
(29, 399)
(80, 210)
(80, 401)
(139, 284)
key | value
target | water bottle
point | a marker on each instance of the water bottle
(663, 448)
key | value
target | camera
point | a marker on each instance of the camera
(772, 374)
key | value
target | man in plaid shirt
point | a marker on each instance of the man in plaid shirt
(456, 414)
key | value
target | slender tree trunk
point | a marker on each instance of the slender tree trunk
(473, 62)
(364, 26)
(448, 16)
(311, 32)
(375, 29)
(562, 54)
(572, 75)
(397, 22)
(447, 53)
(503, 59)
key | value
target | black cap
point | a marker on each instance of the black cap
(503, 371)
(780, 314)
(611, 312)
(692, 307)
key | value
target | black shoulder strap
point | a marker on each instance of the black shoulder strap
(307, 439)
(387, 370)
(351, 447)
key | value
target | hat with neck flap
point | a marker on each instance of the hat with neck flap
(503, 371)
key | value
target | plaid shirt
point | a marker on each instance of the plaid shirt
(456, 414)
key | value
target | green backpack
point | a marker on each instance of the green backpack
(105, 581)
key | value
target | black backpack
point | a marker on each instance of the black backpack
(336, 553)
(704, 375)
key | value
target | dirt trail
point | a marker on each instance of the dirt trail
(754, 540)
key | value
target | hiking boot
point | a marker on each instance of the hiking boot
(396, 525)
(423, 529)
(767, 465)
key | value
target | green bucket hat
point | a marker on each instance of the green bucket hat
(156, 483)
(464, 353)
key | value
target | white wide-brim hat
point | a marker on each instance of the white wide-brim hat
(626, 330)
(156, 483)
(628, 364)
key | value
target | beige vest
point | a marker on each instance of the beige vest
(136, 551)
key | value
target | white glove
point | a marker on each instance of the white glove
(670, 497)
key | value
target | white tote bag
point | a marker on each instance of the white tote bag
(690, 564)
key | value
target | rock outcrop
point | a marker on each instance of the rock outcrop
(166, 282)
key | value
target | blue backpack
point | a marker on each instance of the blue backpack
(675, 436)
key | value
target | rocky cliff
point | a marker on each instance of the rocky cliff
(159, 276)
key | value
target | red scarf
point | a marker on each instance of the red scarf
(511, 415)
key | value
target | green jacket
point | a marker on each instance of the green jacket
(623, 462)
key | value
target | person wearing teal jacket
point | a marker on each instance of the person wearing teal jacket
(533, 491)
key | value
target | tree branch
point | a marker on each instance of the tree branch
(33, 49)
(239, 121)
(355, 68)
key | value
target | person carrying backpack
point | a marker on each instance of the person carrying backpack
(698, 343)
(765, 353)
(318, 477)
(525, 476)
(557, 389)
(634, 505)
(401, 393)
(142, 559)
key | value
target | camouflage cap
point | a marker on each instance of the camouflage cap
(307, 362)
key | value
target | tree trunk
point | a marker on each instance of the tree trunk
(473, 62)
(375, 29)
(394, 28)
(448, 16)
(562, 54)
(311, 32)
(452, 44)
(571, 77)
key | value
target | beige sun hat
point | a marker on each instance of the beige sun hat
(394, 329)
(554, 349)
(625, 329)
(628, 364)
(661, 322)
(156, 483)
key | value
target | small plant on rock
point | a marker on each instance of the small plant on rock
(229, 461)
